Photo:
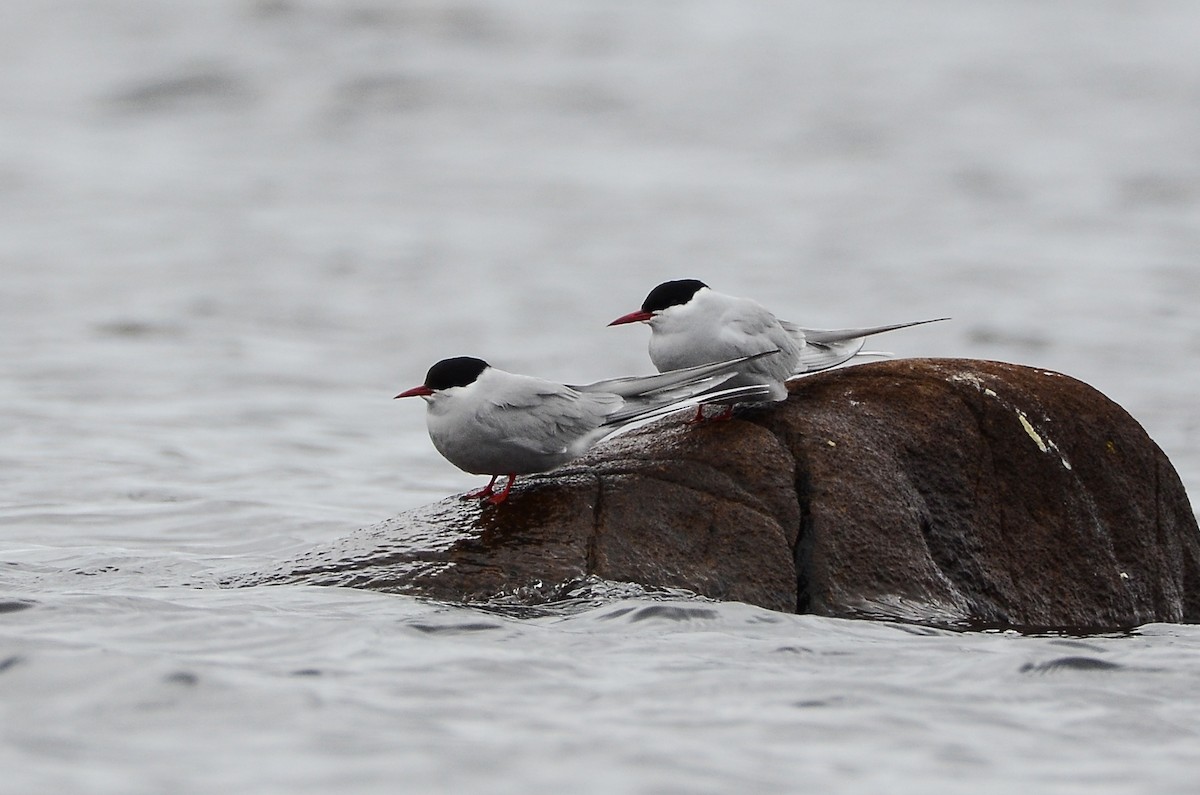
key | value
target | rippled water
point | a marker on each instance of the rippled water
(230, 231)
(320, 689)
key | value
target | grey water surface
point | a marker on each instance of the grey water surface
(231, 230)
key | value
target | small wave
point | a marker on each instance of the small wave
(1071, 664)
(16, 605)
(672, 613)
(183, 678)
(455, 628)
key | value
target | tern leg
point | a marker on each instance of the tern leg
(502, 495)
(724, 415)
(479, 494)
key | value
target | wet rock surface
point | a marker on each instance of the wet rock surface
(941, 491)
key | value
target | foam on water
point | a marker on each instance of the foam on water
(233, 229)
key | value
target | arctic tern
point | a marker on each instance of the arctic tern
(490, 422)
(692, 324)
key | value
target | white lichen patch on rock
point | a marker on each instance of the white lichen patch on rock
(967, 378)
(1033, 434)
(1046, 445)
(973, 380)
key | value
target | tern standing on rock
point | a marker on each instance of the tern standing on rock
(692, 324)
(489, 422)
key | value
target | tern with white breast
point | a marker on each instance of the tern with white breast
(692, 324)
(490, 422)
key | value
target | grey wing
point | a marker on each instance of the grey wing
(752, 328)
(673, 384)
(647, 396)
(821, 354)
(821, 349)
(547, 419)
(762, 330)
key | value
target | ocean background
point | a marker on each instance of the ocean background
(232, 230)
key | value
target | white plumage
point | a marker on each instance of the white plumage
(691, 324)
(490, 422)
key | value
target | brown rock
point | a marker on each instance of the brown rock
(985, 492)
(940, 491)
(710, 509)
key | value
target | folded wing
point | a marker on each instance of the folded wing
(821, 349)
(649, 395)
(546, 420)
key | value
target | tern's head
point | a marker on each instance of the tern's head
(448, 374)
(663, 298)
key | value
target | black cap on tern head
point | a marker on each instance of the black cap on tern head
(674, 293)
(457, 371)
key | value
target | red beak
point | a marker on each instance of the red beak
(632, 317)
(416, 391)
